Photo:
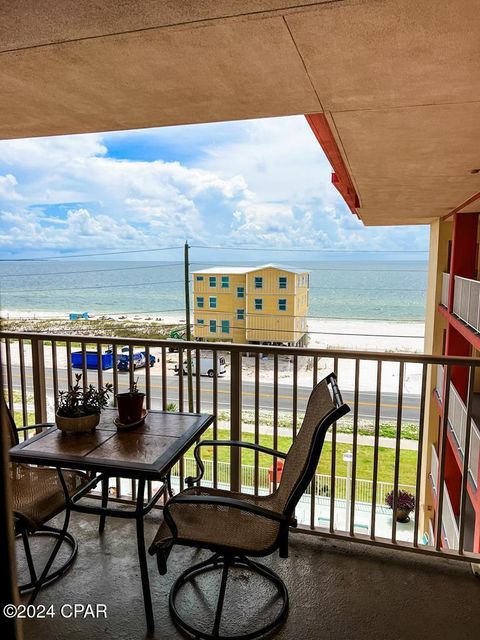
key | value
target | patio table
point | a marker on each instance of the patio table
(145, 453)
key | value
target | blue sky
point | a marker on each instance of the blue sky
(263, 184)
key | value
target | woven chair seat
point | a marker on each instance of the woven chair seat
(213, 526)
(37, 493)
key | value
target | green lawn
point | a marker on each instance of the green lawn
(386, 458)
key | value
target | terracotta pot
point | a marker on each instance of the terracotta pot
(77, 425)
(403, 515)
(130, 407)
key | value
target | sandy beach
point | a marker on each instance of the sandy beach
(382, 336)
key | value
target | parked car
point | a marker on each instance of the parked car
(139, 360)
(206, 367)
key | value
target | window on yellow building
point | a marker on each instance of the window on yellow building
(240, 314)
(200, 302)
(282, 304)
(225, 282)
(199, 278)
(258, 282)
(282, 282)
(240, 292)
(212, 281)
(213, 326)
(225, 326)
(212, 301)
(258, 304)
(200, 321)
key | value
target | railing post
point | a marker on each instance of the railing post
(39, 386)
(235, 417)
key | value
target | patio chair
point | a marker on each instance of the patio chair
(238, 526)
(38, 495)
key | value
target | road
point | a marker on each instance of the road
(367, 399)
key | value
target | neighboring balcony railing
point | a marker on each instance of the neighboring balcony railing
(450, 528)
(466, 301)
(439, 384)
(262, 398)
(457, 419)
(445, 288)
(434, 468)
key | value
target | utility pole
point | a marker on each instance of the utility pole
(188, 333)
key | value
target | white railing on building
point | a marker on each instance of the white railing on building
(445, 288)
(440, 378)
(434, 468)
(457, 418)
(466, 301)
(474, 461)
(450, 527)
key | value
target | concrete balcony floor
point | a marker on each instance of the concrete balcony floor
(337, 591)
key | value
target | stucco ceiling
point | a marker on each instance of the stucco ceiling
(397, 80)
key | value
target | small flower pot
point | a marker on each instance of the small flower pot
(130, 407)
(403, 515)
(83, 424)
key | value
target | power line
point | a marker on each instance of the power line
(327, 333)
(106, 286)
(63, 273)
(88, 255)
(319, 250)
(363, 289)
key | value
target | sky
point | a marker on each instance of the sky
(261, 184)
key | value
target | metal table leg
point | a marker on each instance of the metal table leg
(142, 557)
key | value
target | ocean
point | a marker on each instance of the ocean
(355, 289)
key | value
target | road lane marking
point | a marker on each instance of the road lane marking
(280, 396)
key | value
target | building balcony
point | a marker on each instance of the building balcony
(336, 590)
(346, 532)
(445, 288)
(457, 422)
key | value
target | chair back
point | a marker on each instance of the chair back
(8, 421)
(324, 407)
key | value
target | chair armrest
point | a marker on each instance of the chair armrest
(36, 426)
(233, 503)
(190, 481)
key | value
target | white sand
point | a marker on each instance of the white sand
(383, 336)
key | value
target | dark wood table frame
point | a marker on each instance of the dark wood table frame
(146, 453)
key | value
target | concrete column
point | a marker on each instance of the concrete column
(440, 234)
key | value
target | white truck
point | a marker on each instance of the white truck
(206, 367)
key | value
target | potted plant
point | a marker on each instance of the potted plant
(79, 409)
(405, 504)
(130, 405)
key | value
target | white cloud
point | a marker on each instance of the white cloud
(268, 184)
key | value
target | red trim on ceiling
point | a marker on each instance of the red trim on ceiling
(340, 177)
(475, 196)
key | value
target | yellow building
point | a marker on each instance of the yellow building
(266, 304)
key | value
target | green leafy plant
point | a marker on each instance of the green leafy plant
(171, 406)
(77, 402)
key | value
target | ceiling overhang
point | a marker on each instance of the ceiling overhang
(390, 88)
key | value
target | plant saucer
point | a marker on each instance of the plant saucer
(130, 425)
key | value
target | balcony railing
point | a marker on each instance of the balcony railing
(449, 523)
(466, 301)
(445, 288)
(262, 398)
(434, 468)
(439, 385)
(457, 419)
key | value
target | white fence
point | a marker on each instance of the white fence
(445, 287)
(323, 482)
(450, 527)
(466, 301)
